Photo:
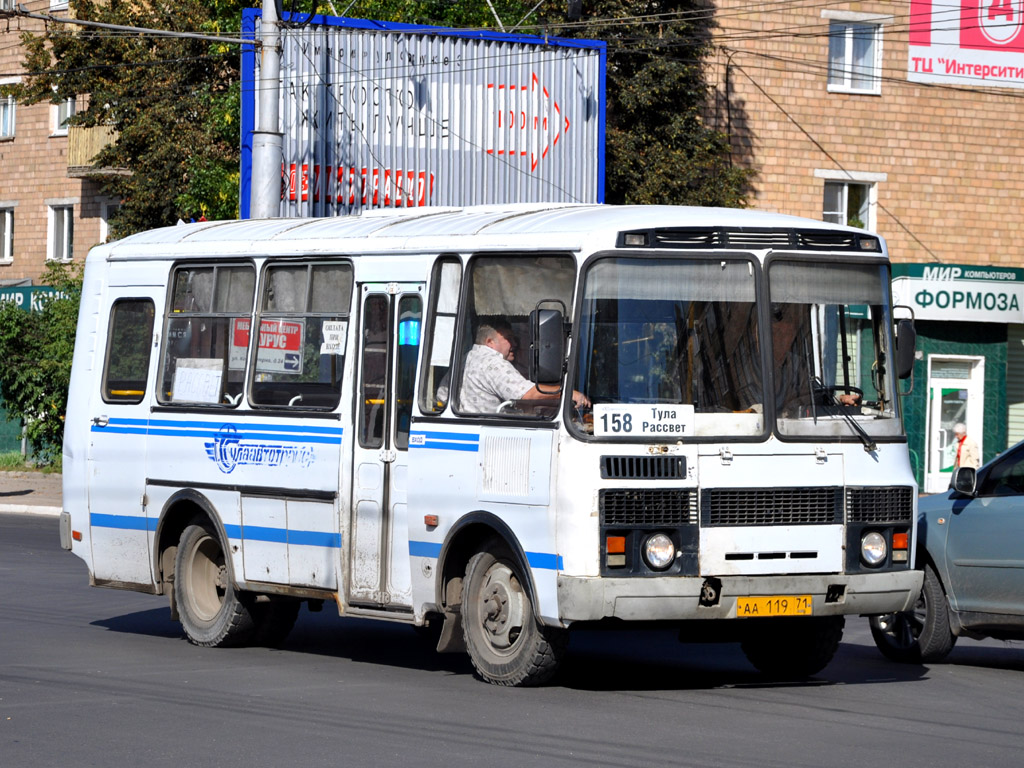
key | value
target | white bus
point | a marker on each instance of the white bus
(703, 431)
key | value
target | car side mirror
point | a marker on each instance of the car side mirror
(906, 343)
(965, 480)
(547, 346)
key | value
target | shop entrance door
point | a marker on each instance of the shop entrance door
(956, 392)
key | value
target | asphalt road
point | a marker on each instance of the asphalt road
(95, 677)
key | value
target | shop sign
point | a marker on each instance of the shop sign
(960, 292)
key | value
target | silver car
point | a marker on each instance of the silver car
(971, 547)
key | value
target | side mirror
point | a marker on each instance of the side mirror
(547, 346)
(906, 343)
(965, 480)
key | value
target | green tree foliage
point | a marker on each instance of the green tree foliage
(659, 150)
(36, 348)
(173, 102)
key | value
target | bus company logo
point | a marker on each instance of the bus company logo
(228, 450)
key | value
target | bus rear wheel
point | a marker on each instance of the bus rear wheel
(504, 640)
(793, 648)
(210, 610)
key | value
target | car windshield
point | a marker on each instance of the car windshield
(830, 344)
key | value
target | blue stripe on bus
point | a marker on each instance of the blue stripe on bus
(252, 532)
(446, 441)
(122, 522)
(540, 560)
(448, 436)
(424, 549)
(279, 432)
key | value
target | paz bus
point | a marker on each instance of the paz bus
(266, 413)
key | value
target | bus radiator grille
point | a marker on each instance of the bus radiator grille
(646, 507)
(771, 506)
(880, 505)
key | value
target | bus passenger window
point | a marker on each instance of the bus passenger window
(207, 335)
(440, 334)
(303, 328)
(128, 351)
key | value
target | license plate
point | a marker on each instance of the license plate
(773, 605)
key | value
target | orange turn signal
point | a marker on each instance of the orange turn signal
(76, 535)
(900, 541)
(615, 545)
(430, 521)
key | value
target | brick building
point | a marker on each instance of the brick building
(48, 209)
(901, 117)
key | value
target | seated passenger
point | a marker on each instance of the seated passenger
(489, 378)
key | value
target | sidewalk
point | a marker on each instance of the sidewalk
(34, 493)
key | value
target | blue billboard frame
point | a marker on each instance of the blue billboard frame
(248, 74)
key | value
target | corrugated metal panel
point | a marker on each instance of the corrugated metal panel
(378, 118)
(1015, 384)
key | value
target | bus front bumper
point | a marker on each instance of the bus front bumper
(680, 597)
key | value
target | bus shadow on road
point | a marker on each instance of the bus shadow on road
(596, 660)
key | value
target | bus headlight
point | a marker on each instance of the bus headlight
(872, 548)
(659, 551)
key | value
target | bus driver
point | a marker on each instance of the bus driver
(489, 378)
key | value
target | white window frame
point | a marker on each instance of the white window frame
(7, 5)
(58, 5)
(11, 104)
(847, 20)
(846, 178)
(106, 204)
(6, 232)
(60, 213)
(59, 124)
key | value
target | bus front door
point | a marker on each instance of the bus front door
(389, 328)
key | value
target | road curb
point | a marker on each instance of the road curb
(29, 509)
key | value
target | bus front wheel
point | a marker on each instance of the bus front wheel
(793, 648)
(504, 640)
(210, 610)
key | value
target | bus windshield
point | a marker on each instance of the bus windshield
(831, 342)
(673, 331)
(685, 332)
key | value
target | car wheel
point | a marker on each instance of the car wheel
(504, 640)
(920, 635)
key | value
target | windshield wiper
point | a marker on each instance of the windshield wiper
(865, 438)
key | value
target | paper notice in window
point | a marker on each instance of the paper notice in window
(197, 380)
(335, 332)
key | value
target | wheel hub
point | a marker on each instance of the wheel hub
(503, 606)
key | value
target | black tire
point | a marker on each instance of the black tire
(794, 648)
(506, 644)
(211, 612)
(921, 635)
(274, 618)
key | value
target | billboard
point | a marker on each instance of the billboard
(967, 43)
(383, 115)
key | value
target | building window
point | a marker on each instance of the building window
(108, 210)
(6, 117)
(6, 235)
(7, 5)
(854, 57)
(62, 230)
(63, 111)
(848, 204)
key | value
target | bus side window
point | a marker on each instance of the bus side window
(435, 385)
(207, 335)
(303, 329)
(129, 342)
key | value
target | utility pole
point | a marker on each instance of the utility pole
(267, 139)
